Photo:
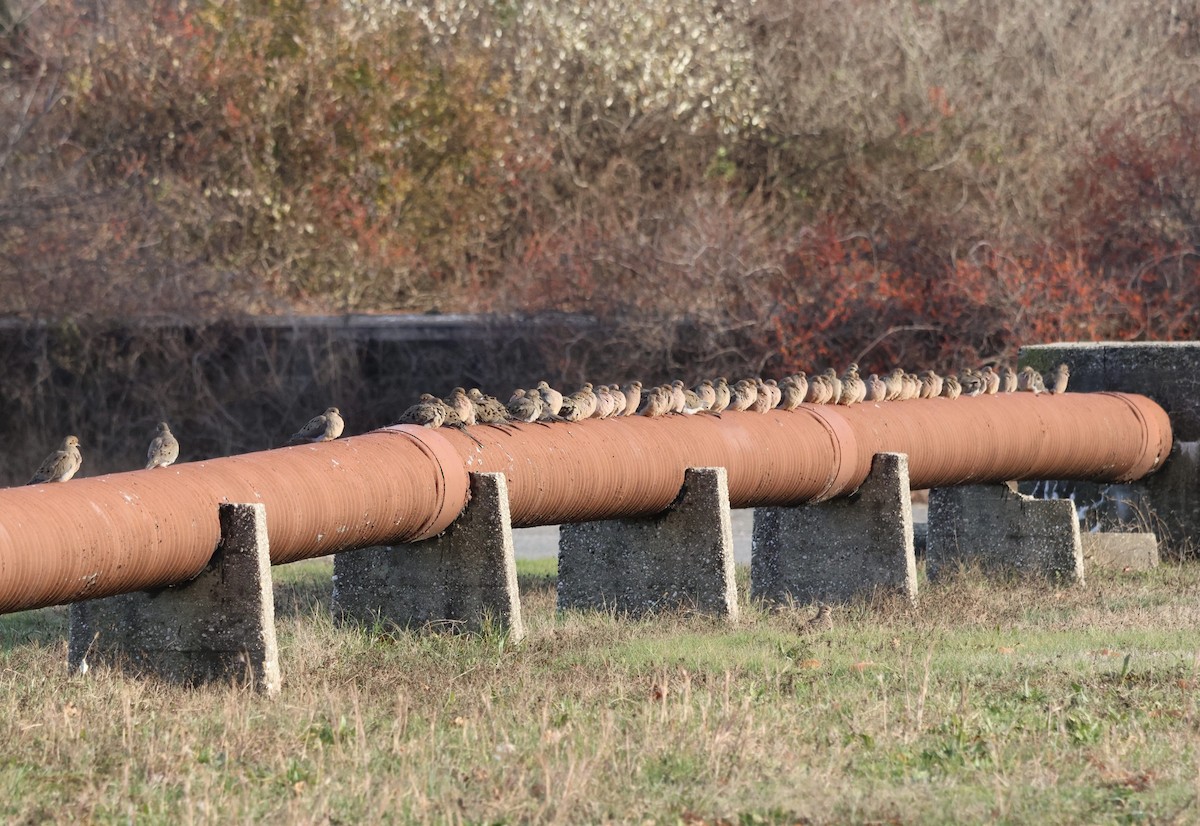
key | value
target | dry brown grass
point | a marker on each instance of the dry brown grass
(980, 704)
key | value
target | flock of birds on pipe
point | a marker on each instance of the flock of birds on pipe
(544, 404)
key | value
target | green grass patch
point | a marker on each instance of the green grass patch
(983, 703)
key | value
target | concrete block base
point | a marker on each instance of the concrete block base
(682, 558)
(1003, 532)
(464, 579)
(219, 627)
(842, 549)
(1122, 551)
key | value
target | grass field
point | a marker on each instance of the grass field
(981, 704)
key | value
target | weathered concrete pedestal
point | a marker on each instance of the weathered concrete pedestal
(464, 579)
(1120, 551)
(839, 550)
(682, 558)
(1166, 502)
(1003, 532)
(219, 627)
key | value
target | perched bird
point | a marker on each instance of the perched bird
(585, 400)
(721, 389)
(488, 409)
(633, 398)
(1029, 380)
(835, 385)
(823, 621)
(1056, 380)
(429, 411)
(1008, 380)
(324, 427)
(971, 382)
(706, 393)
(619, 400)
(776, 394)
(60, 465)
(991, 381)
(742, 395)
(791, 395)
(678, 402)
(818, 390)
(606, 403)
(931, 385)
(164, 449)
(876, 389)
(551, 397)
(526, 407)
(951, 388)
(461, 403)
(570, 410)
(801, 381)
(895, 383)
(764, 399)
(854, 389)
(658, 403)
(693, 404)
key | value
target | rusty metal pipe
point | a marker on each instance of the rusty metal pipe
(144, 529)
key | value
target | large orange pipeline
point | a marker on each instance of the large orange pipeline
(131, 531)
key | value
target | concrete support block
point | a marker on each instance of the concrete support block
(842, 549)
(219, 627)
(1122, 551)
(464, 579)
(682, 558)
(1004, 532)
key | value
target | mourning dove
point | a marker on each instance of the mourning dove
(324, 427)
(876, 390)
(742, 395)
(851, 384)
(1008, 380)
(791, 395)
(835, 385)
(706, 393)
(991, 381)
(764, 399)
(461, 403)
(619, 401)
(776, 394)
(429, 411)
(693, 404)
(895, 383)
(823, 621)
(658, 403)
(678, 402)
(488, 409)
(951, 388)
(60, 465)
(800, 380)
(1029, 380)
(525, 406)
(971, 382)
(818, 391)
(633, 398)
(721, 388)
(164, 449)
(570, 410)
(1056, 380)
(585, 399)
(931, 385)
(551, 397)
